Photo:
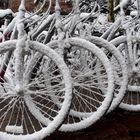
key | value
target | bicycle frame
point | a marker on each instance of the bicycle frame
(19, 51)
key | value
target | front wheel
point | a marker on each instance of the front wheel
(32, 114)
(89, 102)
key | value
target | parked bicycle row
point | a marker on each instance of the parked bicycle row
(57, 73)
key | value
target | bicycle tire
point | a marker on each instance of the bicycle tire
(37, 127)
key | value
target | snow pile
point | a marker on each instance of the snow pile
(3, 13)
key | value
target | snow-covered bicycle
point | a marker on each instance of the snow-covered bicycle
(26, 109)
(83, 59)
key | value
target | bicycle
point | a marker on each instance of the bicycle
(85, 107)
(128, 45)
(25, 108)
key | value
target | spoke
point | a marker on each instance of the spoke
(44, 106)
(10, 107)
(88, 98)
(47, 99)
(84, 101)
(91, 91)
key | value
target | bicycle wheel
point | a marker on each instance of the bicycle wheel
(32, 114)
(131, 101)
(119, 69)
(89, 103)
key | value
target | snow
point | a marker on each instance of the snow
(122, 4)
(133, 88)
(5, 12)
(10, 27)
(84, 15)
(100, 24)
(35, 1)
(14, 129)
(43, 25)
(133, 13)
(34, 17)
